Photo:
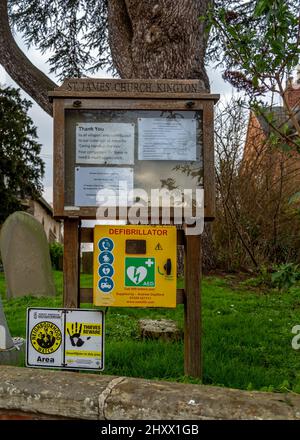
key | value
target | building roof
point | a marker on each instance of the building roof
(45, 204)
(280, 117)
(41, 201)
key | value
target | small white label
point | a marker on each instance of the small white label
(72, 208)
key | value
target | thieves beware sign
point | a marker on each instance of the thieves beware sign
(135, 266)
(65, 338)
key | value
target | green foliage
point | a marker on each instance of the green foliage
(56, 253)
(263, 279)
(286, 276)
(74, 32)
(21, 168)
(295, 198)
(258, 44)
(260, 39)
(282, 277)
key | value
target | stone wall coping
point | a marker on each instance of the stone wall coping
(76, 395)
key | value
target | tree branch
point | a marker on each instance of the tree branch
(120, 37)
(17, 65)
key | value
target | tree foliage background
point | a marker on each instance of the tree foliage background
(74, 32)
(255, 225)
(257, 43)
(21, 168)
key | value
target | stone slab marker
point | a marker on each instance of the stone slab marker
(11, 349)
(6, 341)
(25, 255)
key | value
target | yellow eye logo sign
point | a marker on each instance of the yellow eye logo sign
(46, 337)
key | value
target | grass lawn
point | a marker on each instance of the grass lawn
(246, 336)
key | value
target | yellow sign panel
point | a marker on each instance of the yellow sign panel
(135, 266)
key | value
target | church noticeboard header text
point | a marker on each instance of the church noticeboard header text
(89, 87)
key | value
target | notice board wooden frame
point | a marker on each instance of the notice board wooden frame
(108, 94)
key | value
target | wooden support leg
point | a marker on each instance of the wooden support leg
(192, 308)
(71, 262)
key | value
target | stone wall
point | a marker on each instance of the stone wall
(36, 393)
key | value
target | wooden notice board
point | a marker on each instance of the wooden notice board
(145, 133)
(89, 112)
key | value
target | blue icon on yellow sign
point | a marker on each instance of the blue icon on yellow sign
(106, 257)
(106, 284)
(106, 270)
(106, 244)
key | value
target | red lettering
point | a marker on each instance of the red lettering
(128, 231)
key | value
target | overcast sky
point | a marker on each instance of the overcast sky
(43, 121)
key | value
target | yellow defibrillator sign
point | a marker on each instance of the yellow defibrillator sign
(135, 266)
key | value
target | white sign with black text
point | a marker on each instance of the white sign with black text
(167, 139)
(65, 338)
(105, 143)
(90, 180)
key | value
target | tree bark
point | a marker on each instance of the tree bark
(17, 65)
(148, 39)
(158, 39)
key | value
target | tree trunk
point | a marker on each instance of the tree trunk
(158, 39)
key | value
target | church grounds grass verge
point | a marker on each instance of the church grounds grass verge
(246, 335)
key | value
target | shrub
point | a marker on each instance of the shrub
(286, 276)
(56, 252)
(263, 278)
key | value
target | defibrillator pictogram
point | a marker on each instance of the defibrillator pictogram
(45, 337)
(139, 272)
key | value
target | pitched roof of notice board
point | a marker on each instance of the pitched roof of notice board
(132, 88)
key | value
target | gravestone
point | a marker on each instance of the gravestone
(11, 349)
(25, 256)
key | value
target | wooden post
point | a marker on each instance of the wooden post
(192, 308)
(71, 262)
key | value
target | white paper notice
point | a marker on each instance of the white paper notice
(167, 139)
(105, 143)
(90, 180)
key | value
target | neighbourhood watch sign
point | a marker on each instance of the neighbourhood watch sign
(65, 338)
